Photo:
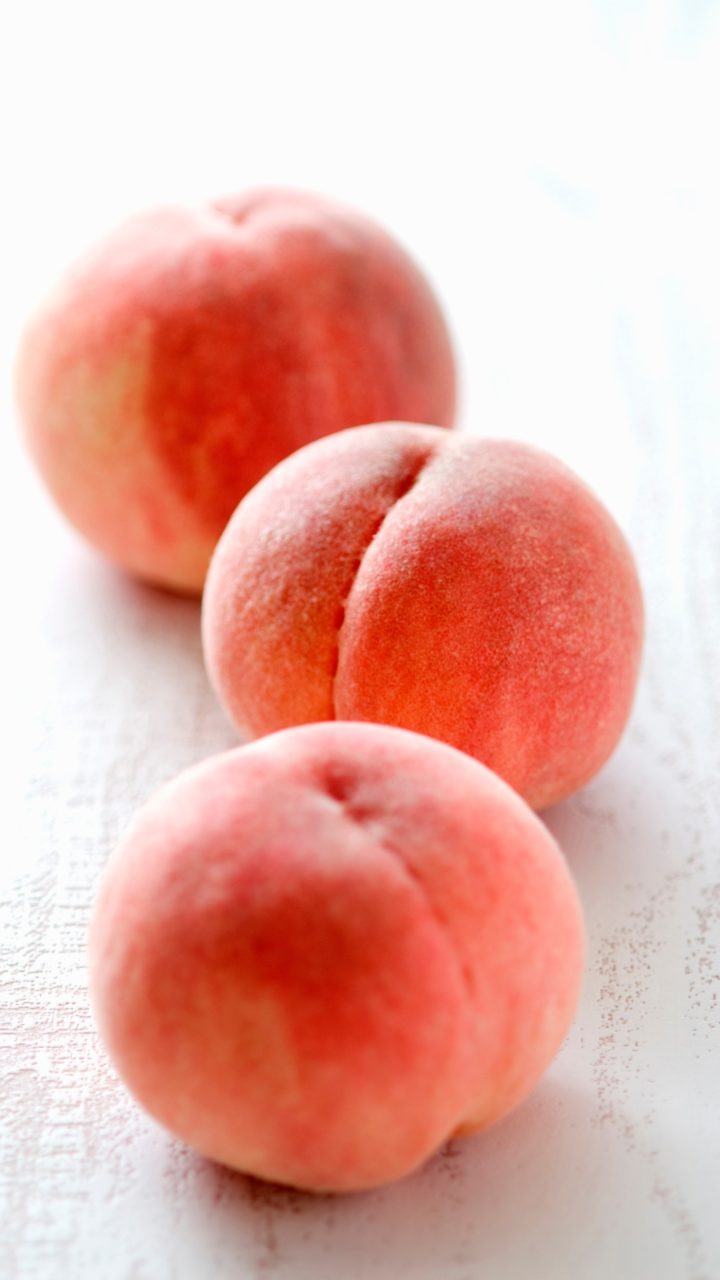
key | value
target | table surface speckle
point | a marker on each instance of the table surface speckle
(585, 301)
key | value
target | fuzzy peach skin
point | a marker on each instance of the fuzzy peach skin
(316, 957)
(473, 590)
(196, 347)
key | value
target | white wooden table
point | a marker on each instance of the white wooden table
(578, 256)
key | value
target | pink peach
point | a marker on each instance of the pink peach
(316, 957)
(195, 348)
(473, 590)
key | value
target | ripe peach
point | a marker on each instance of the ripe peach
(316, 957)
(473, 590)
(195, 348)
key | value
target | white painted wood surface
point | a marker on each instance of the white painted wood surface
(555, 172)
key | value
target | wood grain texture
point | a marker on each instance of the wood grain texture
(588, 319)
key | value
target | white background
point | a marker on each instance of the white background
(555, 168)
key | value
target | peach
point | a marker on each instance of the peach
(195, 348)
(316, 957)
(473, 590)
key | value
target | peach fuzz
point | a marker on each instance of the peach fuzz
(316, 957)
(196, 347)
(473, 590)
